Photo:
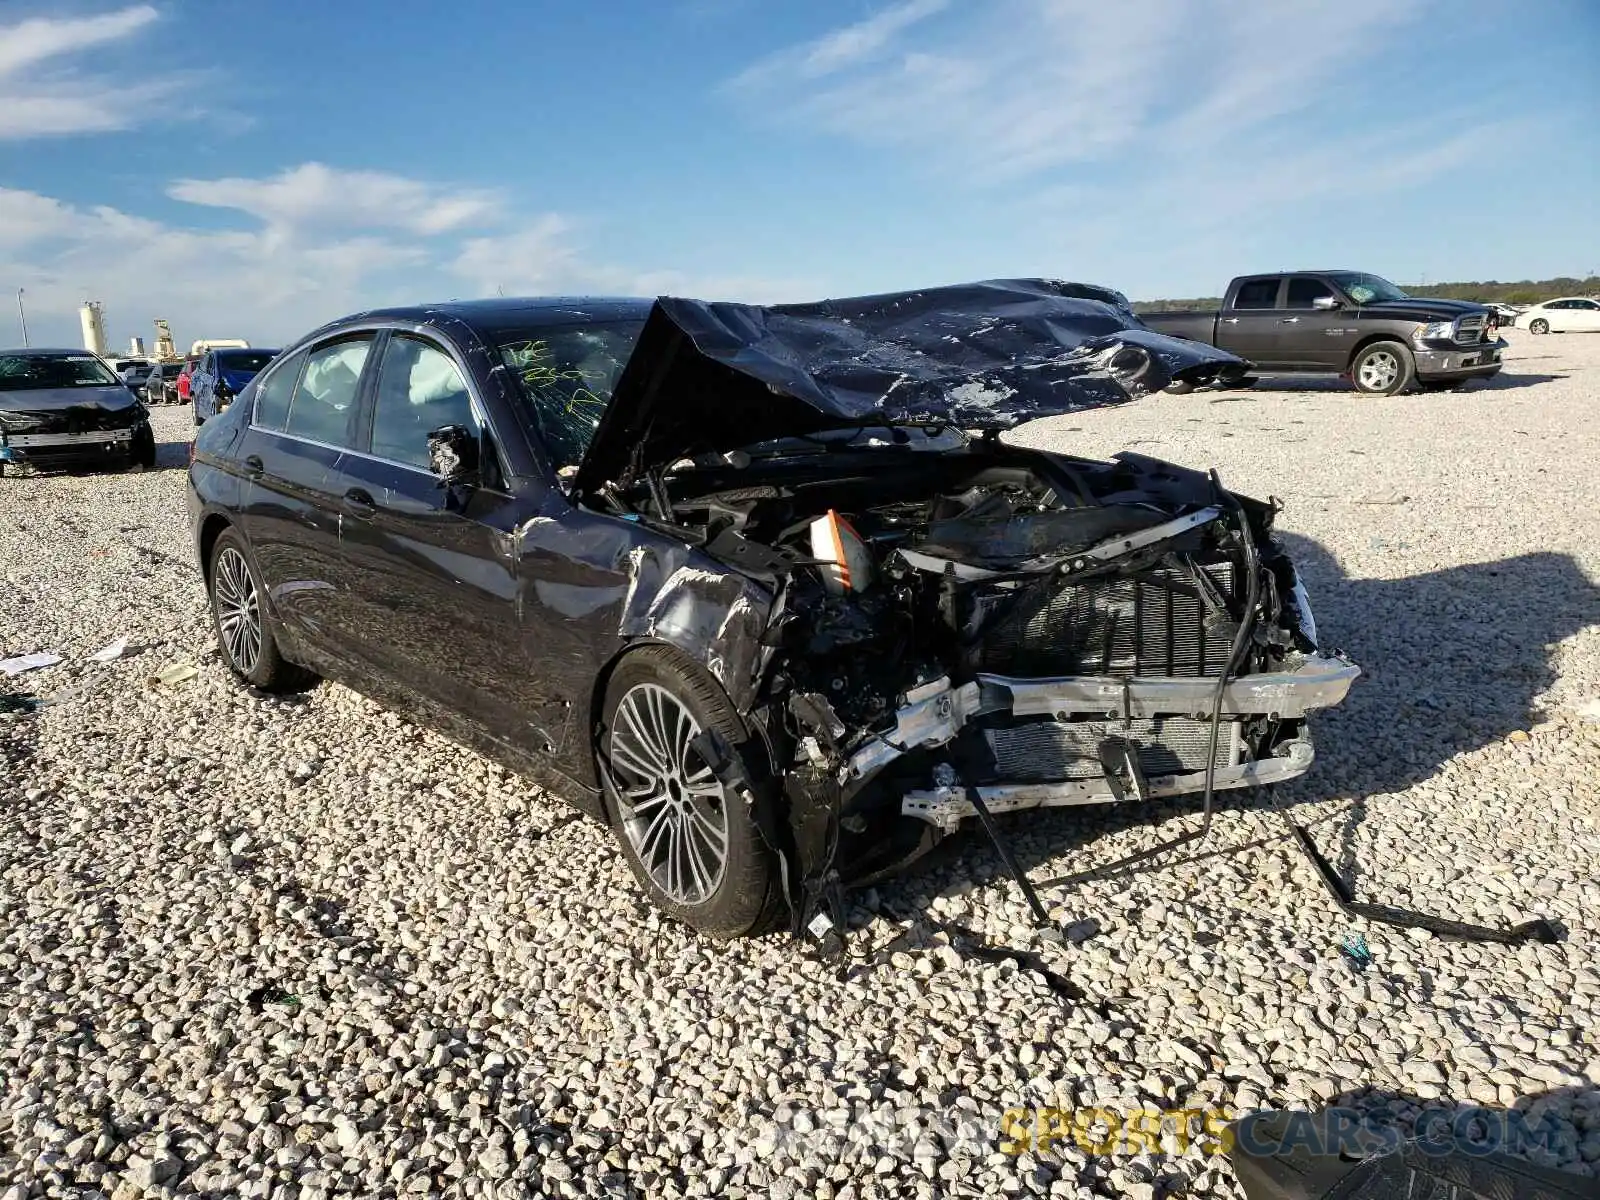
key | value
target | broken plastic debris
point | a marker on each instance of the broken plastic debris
(846, 565)
(1354, 947)
(28, 662)
(820, 925)
(174, 673)
(111, 651)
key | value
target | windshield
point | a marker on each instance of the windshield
(1368, 289)
(244, 360)
(31, 372)
(567, 375)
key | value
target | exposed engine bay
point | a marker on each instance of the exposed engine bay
(958, 616)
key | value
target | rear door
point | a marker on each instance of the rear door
(302, 426)
(432, 568)
(1250, 324)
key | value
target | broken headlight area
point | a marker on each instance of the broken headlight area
(1031, 629)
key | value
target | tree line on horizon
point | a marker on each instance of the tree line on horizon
(1525, 291)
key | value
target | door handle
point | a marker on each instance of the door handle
(1290, 321)
(358, 502)
(253, 465)
(1230, 320)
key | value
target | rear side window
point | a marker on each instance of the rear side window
(419, 390)
(1256, 293)
(325, 397)
(273, 392)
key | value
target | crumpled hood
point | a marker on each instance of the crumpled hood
(712, 376)
(96, 400)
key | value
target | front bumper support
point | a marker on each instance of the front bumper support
(947, 807)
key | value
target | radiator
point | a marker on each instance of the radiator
(1052, 751)
(1150, 625)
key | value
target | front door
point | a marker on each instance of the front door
(432, 568)
(1315, 339)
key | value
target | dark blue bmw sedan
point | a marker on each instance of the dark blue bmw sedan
(760, 588)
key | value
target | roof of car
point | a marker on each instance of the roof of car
(508, 311)
(47, 351)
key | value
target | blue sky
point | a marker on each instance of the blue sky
(252, 170)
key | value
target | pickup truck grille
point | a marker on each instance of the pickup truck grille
(1471, 330)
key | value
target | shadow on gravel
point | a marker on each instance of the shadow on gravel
(1329, 383)
(1377, 1143)
(1453, 661)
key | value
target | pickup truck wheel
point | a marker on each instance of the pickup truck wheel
(1539, 326)
(1383, 369)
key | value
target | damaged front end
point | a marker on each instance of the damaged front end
(962, 621)
(958, 627)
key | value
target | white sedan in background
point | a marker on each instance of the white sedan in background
(1570, 315)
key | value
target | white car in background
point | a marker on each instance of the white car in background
(1572, 314)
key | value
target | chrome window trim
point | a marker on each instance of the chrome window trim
(305, 441)
(479, 410)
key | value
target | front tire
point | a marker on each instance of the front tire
(692, 840)
(1539, 326)
(244, 627)
(1383, 369)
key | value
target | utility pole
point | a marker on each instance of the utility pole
(22, 315)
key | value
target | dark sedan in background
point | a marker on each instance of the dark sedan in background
(220, 375)
(762, 588)
(68, 408)
(161, 387)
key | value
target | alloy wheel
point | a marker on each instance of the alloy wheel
(238, 609)
(673, 805)
(1379, 371)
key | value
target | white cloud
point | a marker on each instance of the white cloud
(313, 195)
(304, 259)
(44, 93)
(848, 46)
(1016, 88)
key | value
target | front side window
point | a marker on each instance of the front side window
(325, 397)
(566, 374)
(1368, 289)
(419, 390)
(272, 394)
(1305, 291)
(1257, 293)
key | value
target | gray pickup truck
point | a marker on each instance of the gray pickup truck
(1345, 323)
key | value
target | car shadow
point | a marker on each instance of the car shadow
(1329, 383)
(1443, 674)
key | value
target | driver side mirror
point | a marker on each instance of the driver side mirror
(1325, 303)
(453, 455)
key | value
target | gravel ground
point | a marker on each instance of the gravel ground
(301, 948)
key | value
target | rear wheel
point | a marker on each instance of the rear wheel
(689, 835)
(244, 626)
(1383, 369)
(1539, 326)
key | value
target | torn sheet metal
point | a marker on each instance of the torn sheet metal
(708, 376)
